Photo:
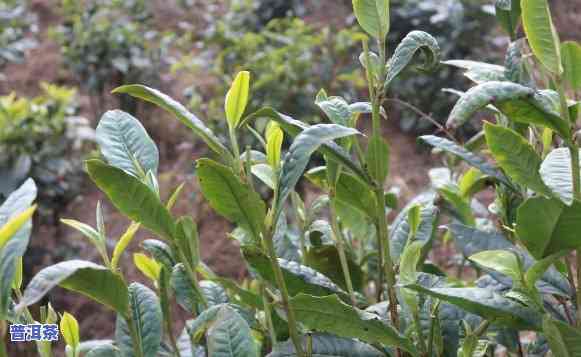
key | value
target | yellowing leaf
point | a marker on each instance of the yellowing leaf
(70, 330)
(237, 98)
(123, 243)
(14, 224)
(274, 138)
(149, 267)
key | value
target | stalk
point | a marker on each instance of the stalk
(268, 315)
(134, 337)
(193, 278)
(338, 235)
(576, 177)
(292, 323)
(3, 352)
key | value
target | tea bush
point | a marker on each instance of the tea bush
(351, 282)
(108, 43)
(15, 23)
(43, 138)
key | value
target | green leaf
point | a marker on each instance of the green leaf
(190, 120)
(564, 340)
(294, 127)
(213, 292)
(132, 197)
(274, 138)
(89, 279)
(237, 98)
(508, 14)
(265, 173)
(160, 251)
(355, 193)
(538, 269)
(541, 34)
(69, 328)
(18, 201)
(336, 108)
(479, 72)
(404, 53)
(377, 158)
(373, 17)
(125, 144)
(104, 351)
(298, 278)
(14, 224)
(400, 229)
(299, 153)
(326, 345)
(571, 52)
(188, 241)
(230, 336)
(516, 156)
(185, 295)
(329, 314)
(558, 230)
(325, 259)
(466, 155)
(556, 173)
(146, 318)
(86, 230)
(482, 95)
(488, 304)
(230, 197)
(147, 266)
(502, 261)
(122, 244)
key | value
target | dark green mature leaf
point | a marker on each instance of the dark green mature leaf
(104, 351)
(470, 240)
(18, 201)
(571, 52)
(377, 158)
(326, 345)
(373, 16)
(515, 70)
(355, 193)
(293, 127)
(488, 304)
(414, 41)
(556, 173)
(185, 294)
(299, 153)
(198, 326)
(89, 279)
(541, 34)
(502, 261)
(516, 156)
(329, 314)
(213, 292)
(564, 340)
(132, 197)
(146, 318)
(558, 230)
(325, 259)
(508, 14)
(160, 251)
(231, 197)
(230, 336)
(336, 108)
(466, 155)
(479, 72)
(400, 229)
(482, 95)
(126, 145)
(298, 278)
(167, 103)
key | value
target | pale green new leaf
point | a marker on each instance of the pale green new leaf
(230, 336)
(297, 158)
(132, 197)
(404, 53)
(87, 231)
(541, 34)
(264, 173)
(502, 261)
(230, 197)
(125, 144)
(556, 173)
(571, 52)
(14, 224)
(89, 279)
(516, 156)
(237, 98)
(329, 314)
(122, 244)
(69, 328)
(167, 103)
(274, 138)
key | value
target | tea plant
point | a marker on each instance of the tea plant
(42, 137)
(333, 277)
(15, 24)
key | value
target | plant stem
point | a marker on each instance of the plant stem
(338, 235)
(268, 315)
(292, 323)
(193, 279)
(134, 337)
(236, 149)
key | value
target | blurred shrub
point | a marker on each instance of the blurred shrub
(464, 29)
(290, 61)
(15, 23)
(106, 43)
(42, 138)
